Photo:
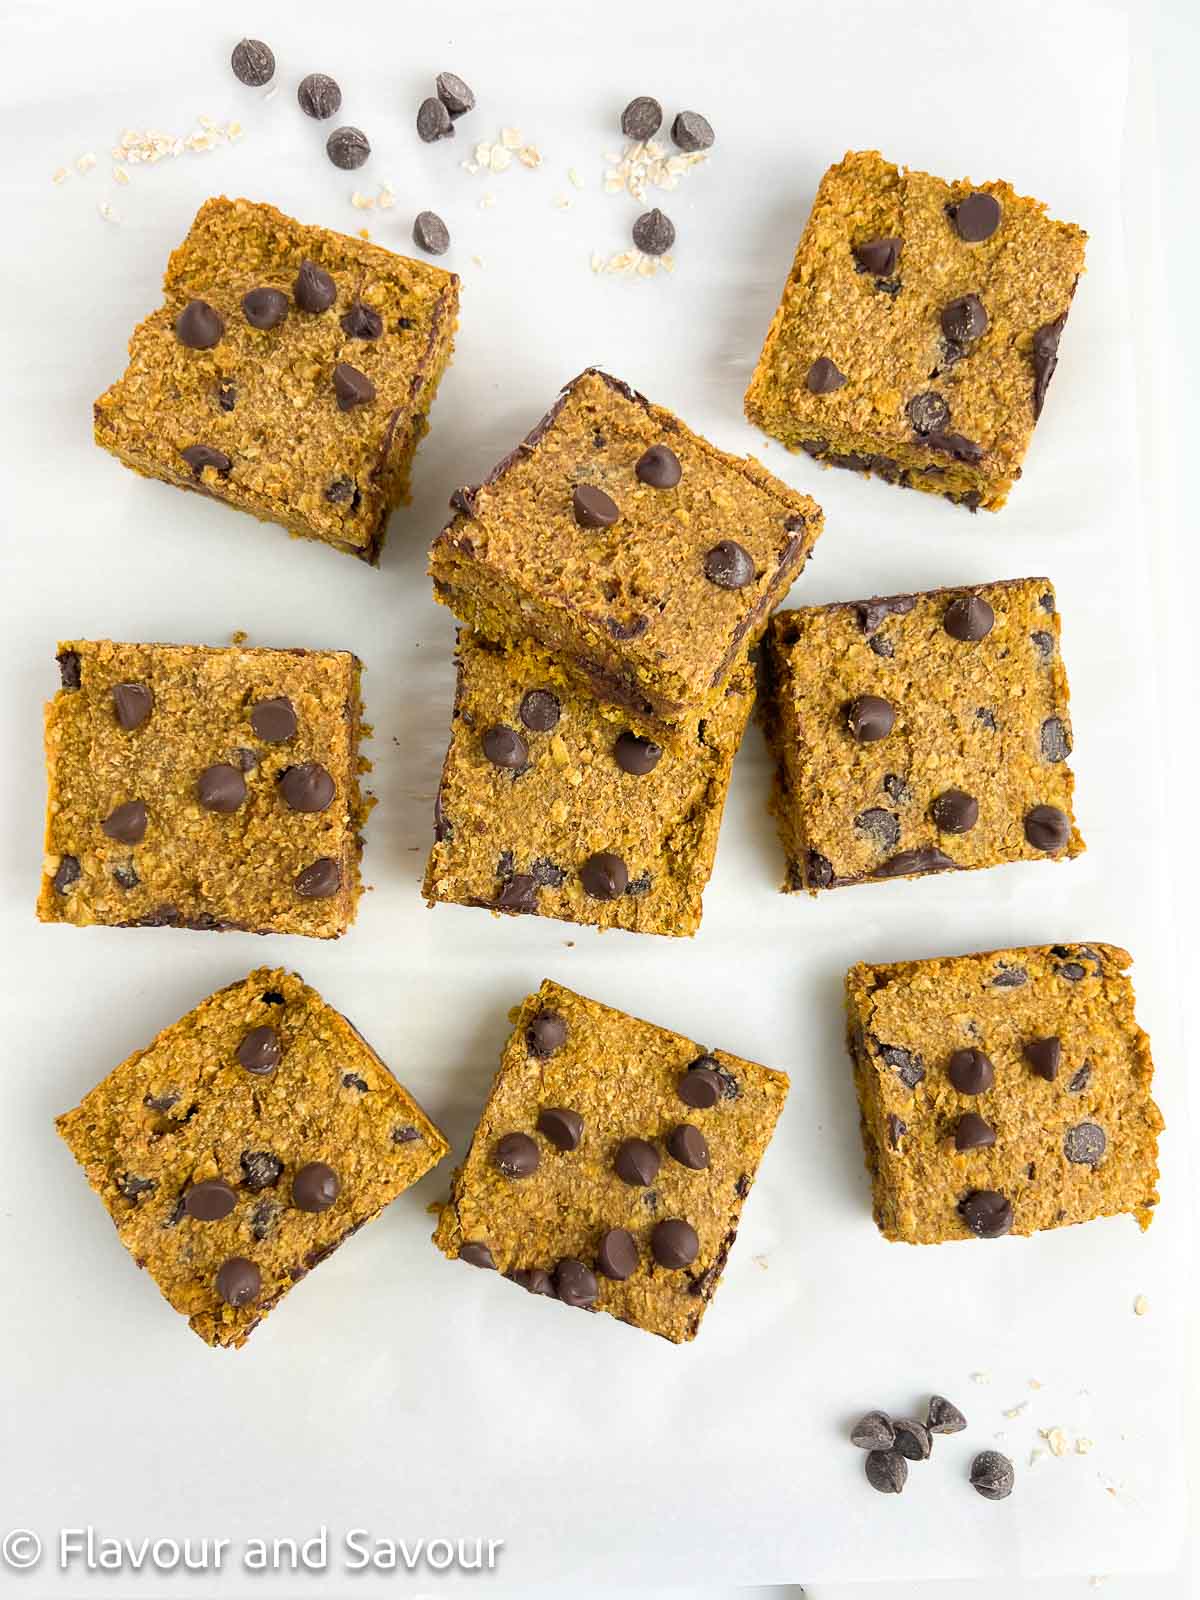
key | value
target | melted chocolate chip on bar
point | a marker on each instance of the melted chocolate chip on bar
(132, 704)
(1044, 1056)
(562, 1126)
(879, 257)
(637, 1163)
(593, 508)
(260, 1051)
(320, 880)
(658, 467)
(971, 1072)
(545, 1034)
(351, 387)
(975, 218)
(127, 823)
(308, 787)
(987, 1214)
(198, 326)
(823, 377)
(969, 618)
(265, 308)
(729, 565)
(516, 1156)
(314, 290)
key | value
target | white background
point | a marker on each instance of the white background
(393, 1391)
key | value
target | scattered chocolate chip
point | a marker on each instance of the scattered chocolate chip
(970, 1072)
(320, 880)
(928, 412)
(274, 720)
(517, 895)
(69, 670)
(636, 1163)
(1043, 643)
(562, 1126)
(1044, 1056)
(476, 1254)
(642, 118)
(976, 217)
(729, 565)
(535, 1280)
(454, 94)
(881, 827)
(347, 148)
(253, 63)
(944, 1416)
(546, 1033)
(964, 319)
(870, 718)
(66, 873)
(265, 308)
(361, 322)
(307, 787)
(319, 97)
(516, 1155)
(315, 1187)
(314, 290)
(504, 747)
(912, 1439)
(688, 1146)
(658, 467)
(654, 233)
(198, 326)
(886, 1471)
(1045, 360)
(1056, 741)
(575, 1284)
(906, 1064)
(351, 387)
(221, 788)
(127, 824)
(992, 1475)
(604, 876)
(132, 704)
(259, 1052)
(986, 1213)
(261, 1169)
(133, 1187)
(1085, 1144)
(699, 1087)
(896, 789)
(873, 1431)
(617, 1254)
(691, 132)
(430, 233)
(973, 1133)
(675, 1244)
(1081, 1079)
(239, 1282)
(209, 1201)
(199, 456)
(636, 755)
(911, 862)
(897, 1128)
(125, 877)
(433, 121)
(1047, 828)
(592, 507)
(823, 377)
(954, 811)
(969, 618)
(879, 257)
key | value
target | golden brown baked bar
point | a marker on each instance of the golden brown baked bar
(611, 1163)
(289, 372)
(645, 560)
(1003, 1092)
(550, 803)
(918, 329)
(920, 733)
(191, 787)
(249, 1141)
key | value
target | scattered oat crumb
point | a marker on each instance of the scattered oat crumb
(478, 260)
(85, 163)
(575, 177)
(1083, 1445)
(362, 202)
(239, 636)
(632, 263)
(1097, 1579)
(760, 1261)
(530, 157)
(570, 943)
(646, 164)
(981, 1377)
(387, 197)
(107, 212)
(1035, 1383)
(1140, 1306)
(1002, 1433)
(1016, 1411)
(1057, 1439)
(59, 175)
(1035, 1455)
(487, 201)
(510, 138)
(364, 233)
(563, 202)
(120, 175)
(501, 158)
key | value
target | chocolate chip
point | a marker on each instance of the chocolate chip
(968, 618)
(636, 1163)
(261, 1169)
(730, 1089)
(127, 824)
(198, 326)
(343, 491)
(405, 1134)
(928, 412)
(361, 322)
(274, 720)
(516, 1155)
(1045, 360)
(314, 290)
(308, 787)
(823, 377)
(992, 1475)
(69, 670)
(987, 717)
(562, 1126)
(976, 217)
(604, 876)
(879, 257)
(320, 880)
(964, 319)
(986, 1213)
(699, 1087)
(944, 1416)
(654, 233)
(886, 1471)
(476, 1254)
(818, 873)
(227, 396)
(132, 704)
(351, 387)
(540, 710)
(897, 1128)
(617, 1254)
(347, 148)
(66, 874)
(547, 874)
(1081, 1079)
(881, 827)
(962, 449)
(1043, 643)
(352, 1080)
(906, 1064)
(1044, 1056)
(728, 565)
(433, 121)
(265, 308)
(535, 1280)
(688, 1146)
(970, 1072)
(592, 507)
(658, 467)
(546, 1033)
(691, 131)
(636, 755)
(575, 1284)
(870, 718)
(125, 877)
(253, 63)
(873, 1431)
(1056, 741)
(675, 1244)
(912, 862)
(954, 811)
(896, 789)
(221, 788)
(1047, 828)
(912, 1439)
(133, 1187)
(1085, 1144)
(259, 1052)
(517, 895)
(209, 1201)
(263, 1219)
(641, 118)
(454, 94)
(319, 97)
(1072, 971)
(882, 646)
(239, 1282)
(199, 456)
(504, 747)
(973, 1133)
(315, 1187)
(430, 233)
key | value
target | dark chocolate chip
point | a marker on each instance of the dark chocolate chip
(818, 872)
(823, 377)
(962, 449)
(274, 720)
(1081, 1079)
(688, 1146)
(454, 94)
(133, 1187)
(675, 1244)
(976, 217)
(987, 717)
(405, 1134)
(361, 322)
(658, 467)
(504, 747)
(1056, 740)
(1043, 643)
(592, 507)
(992, 1475)
(547, 874)
(227, 396)
(729, 1084)
(988, 1214)
(971, 1132)
(319, 97)
(906, 1064)
(882, 646)
(430, 233)
(636, 755)
(476, 1254)
(271, 997)
(886, 1471)
(199, 456)
(261, 1169)
(198, 326)
(729, 565)
(970, 1071)
(69, 670)
(308, 787)
(654, 233)
(964, 319)
(871, 614)
(691, 132)
(516, 1155)
(320, 880)
(314, 290)
(699, 1087)
(351, 387)
(132, 704)
(562, 1126)
(546, 1033)
(66, 874)
(944, 1416)
(896, 789)
(897, 1128)
(575, 1284)
(636, 1163)
(209, 1201)
(870, 718)
(881, 827)
(1085, 1144)
(434, 122)
(1047, 828)
(352, 1080)
(879, 257)
(814, 447)
(535, 1280)
(640, 885)
(1045, 1057)
(540, 710)
(910, 863)
(1045, 359)
(641, 118)
(315, 1187)
(604, 876)
(221, 788)
(347, 148)
(127, 824)
(125, 877)
(1072, 971)
(874, 1431)
(617, 1254)
(954, 811)
(253, 63)
(265, 308)
(239, 1282)
(928, 412)
(517, 895)
(968, 618)
(259, 1052)
(343, 491)
(912, 1439)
